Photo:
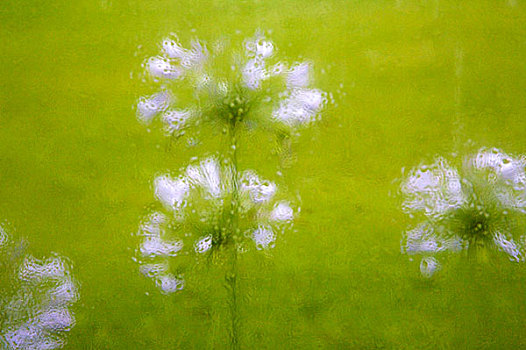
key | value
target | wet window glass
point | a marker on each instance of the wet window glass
(262, 174)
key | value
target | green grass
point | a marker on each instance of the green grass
(76, 168)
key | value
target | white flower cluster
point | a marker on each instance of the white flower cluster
(154, 247)
(301, 104)
(197, 213)
(37, 316)
(433, 190)
(294, 103)
(464, 206)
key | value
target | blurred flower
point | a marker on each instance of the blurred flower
(282, 212)
(149, 107)
(204, 210)
(428, 266)
(480, 205)
(34, 299)
(300, 106)
(250, 86)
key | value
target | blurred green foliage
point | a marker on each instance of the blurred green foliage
(412, 79)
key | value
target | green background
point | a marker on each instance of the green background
(412, 79)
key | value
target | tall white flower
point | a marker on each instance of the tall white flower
(479, 205)
(214, 210)
(257, 90)
(204, 225)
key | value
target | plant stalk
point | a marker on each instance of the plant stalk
(231, 275)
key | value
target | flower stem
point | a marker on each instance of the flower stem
(231, 275)
(477, 251)
(231, 285)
